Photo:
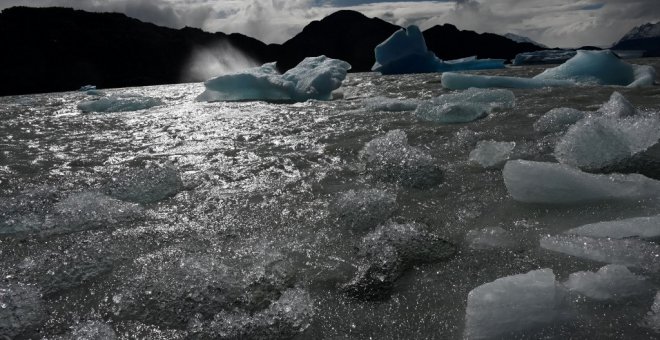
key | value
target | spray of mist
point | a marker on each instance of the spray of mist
(209, 62)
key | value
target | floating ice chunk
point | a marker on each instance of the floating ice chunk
(145, 186)
(593, 67)
(539, 182)
(312, 78)
(613, 281)
(364, 209)
(91, 330)
(462, 81)
(632, 252)
(558, 119)
(617, 106)
(492, 154)
(652, 319)
(466, 106)
(390, 104)
(543, 57)
(119, 103)
(488, 238)
(597, 142)
(22, 312)
(286, 317)
(391, 158)
(643, 227)
(513, 304)
(405, 51)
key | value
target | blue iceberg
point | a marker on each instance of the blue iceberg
(405, 51)
(313, 78)
(587, 67)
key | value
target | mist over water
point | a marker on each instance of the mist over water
(211, 61)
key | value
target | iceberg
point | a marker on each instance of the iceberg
(586, 67)
(118, 103)
(613, 281)
(513, 304)
(312, 78)
(553, 183)
(492, 154)
(629, 252)
(466, 106)
(405, 51)
(642, 227)
(489, 238)
(543, 57)
(558, 119)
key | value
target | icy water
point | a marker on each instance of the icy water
(256, 220)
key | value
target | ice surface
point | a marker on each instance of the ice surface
(91, 330)
(405, 51)
(390, 158)
(363, 210)
(390, 104)
(652, 319)
(543, 57)
(613, 281)
(630, 252)
(513, 304)
(22, 311)
(597, 142)
(461, 81)
(492, 154)
(145, 186)
(465, 106)
(312, 78)
(618, 106)
(389, 251)
(558, 119)
(540, 182)
(286, 317)
(119, 103)
(643, 227)
(489, 238)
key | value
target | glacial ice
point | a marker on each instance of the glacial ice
(405, 51)
(543, 57)
(613, 281)
(643, 227)
(553, 183)
(390, 104)
(118, 103)
(145, 186)
(558, 119)
(492, 154)
(462, 81)
(363, 210)
(586, 67)
(390, 158)
(312, 78)
(597, 142)
(22, 311)
(513, 304)
(489, 238)
(629, 252)
(652, 319)
(617, 106)
(465, 106)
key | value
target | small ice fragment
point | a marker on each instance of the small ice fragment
(558, 119)
(465, 106)
(617, 106)
(609, 282)
(492, 154)
(643, 227)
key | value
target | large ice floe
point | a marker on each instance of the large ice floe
(642, 227)
(513, 304)
(608, 137)
(492, 154)
(553, 183)
(629, 252)
(405, 51)
(609, 282)
(118, 103)
(312, 78)
(391, 159)
(465, 106)
(586, 67)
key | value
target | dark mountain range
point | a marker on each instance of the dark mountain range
(645, 38)
(59, 49)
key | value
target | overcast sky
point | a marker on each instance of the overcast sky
(564, 23)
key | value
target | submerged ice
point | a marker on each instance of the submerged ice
(465, 106)
(609, 282)
(312, 78)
